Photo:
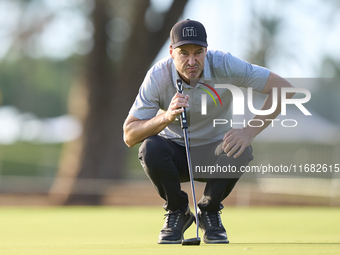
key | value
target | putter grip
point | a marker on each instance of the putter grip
(183, 117)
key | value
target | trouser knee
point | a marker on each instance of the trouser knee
(152, 152)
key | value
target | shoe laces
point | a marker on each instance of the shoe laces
(172, 219)
(214, 219)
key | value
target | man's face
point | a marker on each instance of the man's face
(189, 60)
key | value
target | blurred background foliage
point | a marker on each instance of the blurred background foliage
(85, 59)
(40, 87)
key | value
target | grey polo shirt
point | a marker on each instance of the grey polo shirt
(159, 87)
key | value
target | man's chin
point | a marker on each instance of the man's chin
(192, 77)
(189, 77)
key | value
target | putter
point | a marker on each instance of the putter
(184, 126)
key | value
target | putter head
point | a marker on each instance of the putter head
(192, 241)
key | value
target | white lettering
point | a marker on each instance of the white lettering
(261, 112)
(292, 120)
(262, 123)
(219, 122)
(297, 101)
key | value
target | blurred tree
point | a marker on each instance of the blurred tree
(261, 51)
(262, 42)
(330, 67)
(328, 90)
(266, 43)
(37, 86)
(127, 37)
(32, 85)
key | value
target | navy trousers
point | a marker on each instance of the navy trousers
(165, 163)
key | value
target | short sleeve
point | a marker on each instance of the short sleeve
(147, 102)
(246, 74)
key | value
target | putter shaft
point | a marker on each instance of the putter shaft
(191, 177)
(184, 125)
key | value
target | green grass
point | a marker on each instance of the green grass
(134, 230)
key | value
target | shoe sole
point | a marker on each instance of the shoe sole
(207, 241)
(223, 241)
(186, 226)
(170, 242)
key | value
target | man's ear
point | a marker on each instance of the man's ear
(171, 51)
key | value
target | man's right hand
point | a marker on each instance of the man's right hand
(136, 130)
(175, 108)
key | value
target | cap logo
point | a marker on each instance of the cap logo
(189, 31)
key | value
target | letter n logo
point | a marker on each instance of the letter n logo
(189, 31)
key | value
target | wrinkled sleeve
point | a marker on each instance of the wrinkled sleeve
(146, 104)
(245, 74)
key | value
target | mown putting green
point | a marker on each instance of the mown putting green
(134, 230)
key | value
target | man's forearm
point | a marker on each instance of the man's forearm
(267, 119)
(136, 131)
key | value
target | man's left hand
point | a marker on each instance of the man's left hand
(237, 140)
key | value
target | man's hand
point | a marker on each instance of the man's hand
(136, 130)
(237, 139)
(175, 107)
